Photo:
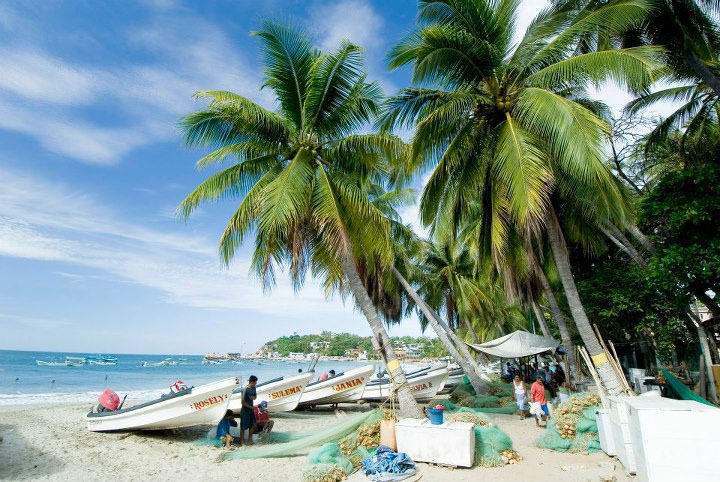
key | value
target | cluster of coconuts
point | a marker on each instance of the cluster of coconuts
(510, 456)
(566, 428)
(503, 102)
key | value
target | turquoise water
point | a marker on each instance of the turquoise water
(22, 381)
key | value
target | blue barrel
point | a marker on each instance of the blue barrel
(436, 416)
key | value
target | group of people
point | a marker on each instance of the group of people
(254, 419)
(538, 400)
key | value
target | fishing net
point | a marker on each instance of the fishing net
(294, 443)
(681, 390)
(573, 427)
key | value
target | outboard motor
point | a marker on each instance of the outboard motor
(108, 401)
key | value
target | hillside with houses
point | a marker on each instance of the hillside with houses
(347, 345)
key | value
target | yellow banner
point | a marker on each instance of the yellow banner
(599, 359)
(393, 365)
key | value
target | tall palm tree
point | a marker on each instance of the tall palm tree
(687, 28)
(299, 173)
(495, 122)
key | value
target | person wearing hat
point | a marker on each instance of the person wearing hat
(263, 423)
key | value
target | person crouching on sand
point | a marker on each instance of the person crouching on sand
(537, 397)
(223, 429)
(263, 423)
(247, 414)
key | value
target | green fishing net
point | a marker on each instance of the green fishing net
(681, 390)
(573, 427)
(293, 443)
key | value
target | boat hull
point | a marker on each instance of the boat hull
(341, 388)
(455, 377)
(424, 387)
(281, 396)
(205, 404)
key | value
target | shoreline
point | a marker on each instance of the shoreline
(53, 444)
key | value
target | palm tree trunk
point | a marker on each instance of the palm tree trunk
(700, 69)
(541, 319)
(465, 364)
(642, 239)
(619, 239)
(470, 329)
(560, 319)
(557, 244)
(380, 339)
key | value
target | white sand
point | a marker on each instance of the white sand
(53, 444)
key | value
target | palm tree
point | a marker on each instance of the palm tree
(299, 173)
(496, 125)
(687, 28)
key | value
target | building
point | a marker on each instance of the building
(296, 356)
(319, 345)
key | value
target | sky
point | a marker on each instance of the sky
(92, 167)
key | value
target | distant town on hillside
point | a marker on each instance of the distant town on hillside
(349, 346)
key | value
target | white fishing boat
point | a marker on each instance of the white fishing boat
(75, 361)
(424, 384)
(281, 394)
(338, 388)
(455, 377)
(205, 404)
(44, 363)
(102, 362)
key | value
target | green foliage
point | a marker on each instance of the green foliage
(336, 344)
(683, 211)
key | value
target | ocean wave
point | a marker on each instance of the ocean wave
(69, 397)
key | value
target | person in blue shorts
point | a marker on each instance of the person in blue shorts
(223, 429)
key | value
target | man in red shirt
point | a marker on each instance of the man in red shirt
(537, 396)
(262, 418)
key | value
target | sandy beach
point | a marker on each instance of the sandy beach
(52, 443)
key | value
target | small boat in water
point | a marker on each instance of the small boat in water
(337, 389)
(102, 362)
(165, 363)
(44, 363)
(75, 361)
(281, 394)
(205, 404)
(424, 383)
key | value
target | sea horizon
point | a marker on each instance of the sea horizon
(24, 382)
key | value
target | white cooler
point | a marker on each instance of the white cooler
(607, 442)
(452, 443)
(673, 440)
(621, 432)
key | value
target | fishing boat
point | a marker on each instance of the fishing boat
(102, 362)
(44, 363)
(281, 394)
(165, 363)
(338, 388)
(424, 384)
(455, 377)
(75, 361)
(205, 404)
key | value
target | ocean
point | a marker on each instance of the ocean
(22, 381)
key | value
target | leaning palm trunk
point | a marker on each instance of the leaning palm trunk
(468, 365)
(541, 319)
(560, 319)
(557, 244)
(624, 244)
(380, 339)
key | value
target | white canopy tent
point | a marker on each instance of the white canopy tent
(517, 345)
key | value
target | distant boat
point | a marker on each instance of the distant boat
(102, 362)
(210, 362)
(166, 362)
(100, 358)
(201, 405)
(44, 363)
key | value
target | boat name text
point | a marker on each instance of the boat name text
(286, 392)
(341, 387)
(208, 402)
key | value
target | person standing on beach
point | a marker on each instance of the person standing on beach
(537, 397)
(247, 414)
(520, 395)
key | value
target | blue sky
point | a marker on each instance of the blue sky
(92, 257)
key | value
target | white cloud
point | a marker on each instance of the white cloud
(353, 20)
(47, 221)
(40, 93)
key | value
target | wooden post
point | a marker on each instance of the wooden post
(702, 335)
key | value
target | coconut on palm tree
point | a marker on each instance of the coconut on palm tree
(299, 173)
(494, 119)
